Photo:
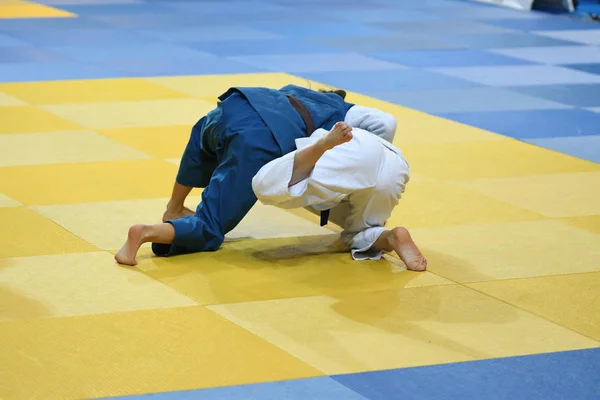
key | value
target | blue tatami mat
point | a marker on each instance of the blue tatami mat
(533, 123)
(448, 58)
(585, 147)
(557, 376)
(577, 95)
(461, 100)
(553, 376)
(315, 389)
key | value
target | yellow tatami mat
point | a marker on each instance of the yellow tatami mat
(513, 267)
(10, 9)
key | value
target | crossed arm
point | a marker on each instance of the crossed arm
(369, 119)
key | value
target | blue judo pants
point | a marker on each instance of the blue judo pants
(226, 149)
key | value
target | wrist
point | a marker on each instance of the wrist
(322, 145)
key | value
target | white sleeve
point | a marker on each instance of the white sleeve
(372, 120)
(338, 173)
(270, 184)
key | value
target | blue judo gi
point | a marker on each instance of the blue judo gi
(249, 128)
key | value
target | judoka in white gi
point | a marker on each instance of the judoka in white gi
(353, 170)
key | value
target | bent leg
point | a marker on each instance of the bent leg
(228, 196)
(388, 192)
(364, 231)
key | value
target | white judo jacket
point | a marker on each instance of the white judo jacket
(360, 181)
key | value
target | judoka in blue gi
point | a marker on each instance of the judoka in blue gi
(249, 128)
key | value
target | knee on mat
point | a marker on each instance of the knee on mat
(213, 241)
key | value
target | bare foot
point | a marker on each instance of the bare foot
(403, 244)
(341, 133)
(135, 238)
(171, 215)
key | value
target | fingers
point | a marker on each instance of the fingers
(347, 132)
(344, 130)
(347, 136)
(341, 133)
(342, 125)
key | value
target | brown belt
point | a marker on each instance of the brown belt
(310, 128)
(304, 113)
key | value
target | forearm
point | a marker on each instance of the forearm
(305, 160)
(178, 196)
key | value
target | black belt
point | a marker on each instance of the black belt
(324, 217)
(310, 128)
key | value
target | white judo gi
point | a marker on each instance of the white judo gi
(360, 181)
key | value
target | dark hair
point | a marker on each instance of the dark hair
(339, 92)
